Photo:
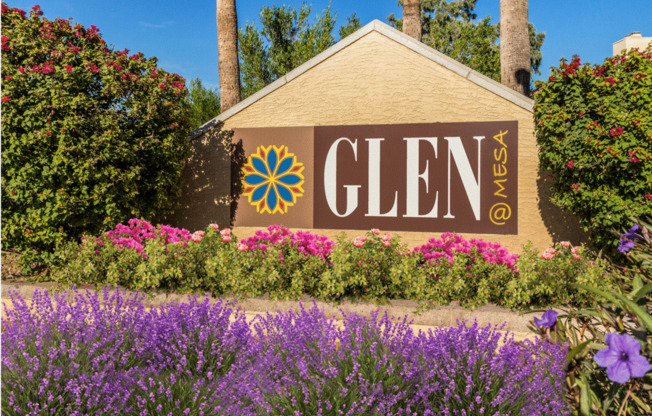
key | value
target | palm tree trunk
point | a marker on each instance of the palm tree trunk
(227, 49)
(515, 45)
(412, 18)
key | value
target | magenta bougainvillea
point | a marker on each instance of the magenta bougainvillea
(449, 245)
(304, 241)
(595, 136)
(91, 136)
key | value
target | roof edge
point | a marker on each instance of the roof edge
(397, 36)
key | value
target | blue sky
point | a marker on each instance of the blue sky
(183, 35)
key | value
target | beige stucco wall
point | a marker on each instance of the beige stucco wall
(633, 40)
(376, 80)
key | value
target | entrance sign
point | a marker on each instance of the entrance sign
(437, 177)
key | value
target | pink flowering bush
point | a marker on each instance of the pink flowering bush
(549, 278)
(139, 255)
(275, 261)
(284, 264)
(593, 129)
(450, 245)
(473, 272)
(91, 136)
(363, 268)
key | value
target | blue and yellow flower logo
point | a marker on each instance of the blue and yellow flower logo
(273, 179)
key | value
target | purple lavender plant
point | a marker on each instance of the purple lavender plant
(82, 354)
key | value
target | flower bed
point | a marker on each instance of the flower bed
(109, 355)
(372, 267)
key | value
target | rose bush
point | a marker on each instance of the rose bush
(90, 136)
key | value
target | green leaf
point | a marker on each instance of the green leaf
(585, 398)
(645, 317)
(576, 350)
(642, 292)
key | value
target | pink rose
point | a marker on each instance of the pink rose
(225, 232)
(359, 241)
(226, 239)
(565, 244)
(214, 226)
(242, 247)
(387, 237)
(196, 238)
(549, 253)
(200, 233)
(375, 231)
(387, 244)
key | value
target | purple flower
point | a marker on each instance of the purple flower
(547, 320)
(622, 358)
(626, 241)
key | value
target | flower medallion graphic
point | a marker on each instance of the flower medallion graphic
(272, 179)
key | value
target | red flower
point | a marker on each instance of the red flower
(162, 85)
(8, 77)
(570, 164)
(5, 99)
(648, 196)
(93, 68)
(582, 113)
(611, 80)
(552, 79)
(68, 68)
(617, 131)
(27, 232)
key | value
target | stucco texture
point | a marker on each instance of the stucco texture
(377, 80)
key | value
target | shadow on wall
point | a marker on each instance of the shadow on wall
(238, 159)
(205, 195)
(561, 225)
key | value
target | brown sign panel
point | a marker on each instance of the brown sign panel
(458, 177)
(278, 173)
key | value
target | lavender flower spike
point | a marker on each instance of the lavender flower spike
(622, 358)
(547, 320)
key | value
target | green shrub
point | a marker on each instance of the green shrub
(469, 279)
(593, 126)
(362, 268)
(90, 136)
(287, 265)
(549, 279)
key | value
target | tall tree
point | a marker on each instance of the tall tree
(452, 28)
(204, 103)
(412, 18)
(227, 45)
(287, 39)
(515, 45)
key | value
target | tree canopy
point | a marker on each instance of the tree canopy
(204, 103)
(452, 28)
(286, 40)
